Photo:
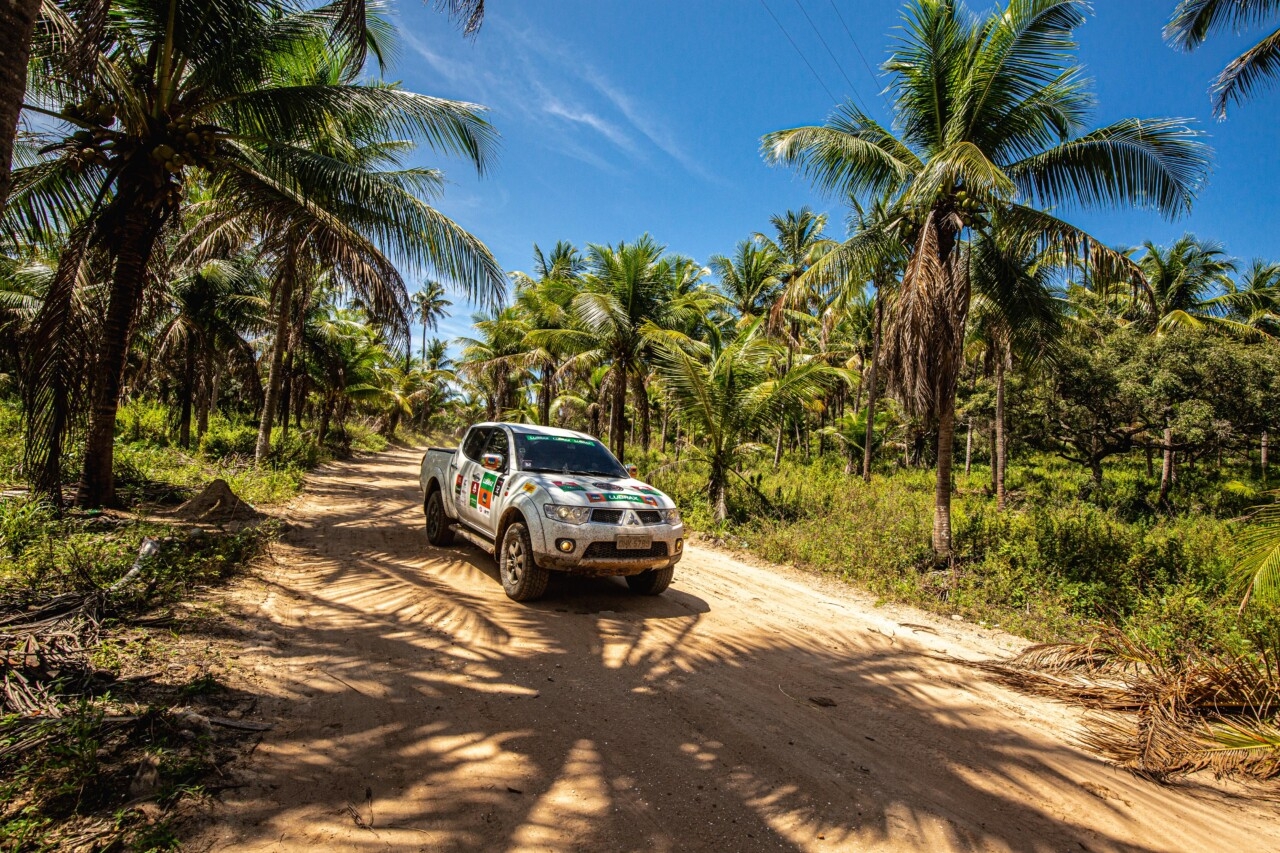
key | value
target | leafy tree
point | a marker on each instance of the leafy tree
(988, 111)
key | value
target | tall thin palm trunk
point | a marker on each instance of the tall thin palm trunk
(869, 435)
(188, 395)
(1264, 460)
(782, 423)
(15, 50)
(618, 411)
(275, 376)
(968, 445)
(1001, 446)
(1166, 469)
(942, 488)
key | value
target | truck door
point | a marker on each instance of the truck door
(466, 473)
(488, 496)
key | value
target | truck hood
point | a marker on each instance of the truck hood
(597, 491)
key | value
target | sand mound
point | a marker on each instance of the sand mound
(216, 503)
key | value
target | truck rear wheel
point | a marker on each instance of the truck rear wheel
(438, 530)
(522, 578)
(651, 582)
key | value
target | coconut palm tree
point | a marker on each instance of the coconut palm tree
(212, 308)
(799, 242)
(1253, 299)
(1183, 281)
(1194, 21)
(632, 298)
(734, 396)
(429, 306)
(15, 50)
(987, 115)
(172, 91)
(1017, 316)
(494, 361)
(545, 298)
(749, 279)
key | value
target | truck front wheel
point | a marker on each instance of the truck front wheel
(438, 531)
(522, 578)
(651, 582)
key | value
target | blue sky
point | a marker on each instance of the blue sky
(621, 118)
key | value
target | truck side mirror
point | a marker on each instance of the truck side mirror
(633, 472)
(492, 461)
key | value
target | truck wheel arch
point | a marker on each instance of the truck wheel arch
(512, 514)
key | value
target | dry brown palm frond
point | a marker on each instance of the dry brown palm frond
(1159, 716)
(925, 336)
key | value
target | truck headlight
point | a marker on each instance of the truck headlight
(671, 516)
(567, 514)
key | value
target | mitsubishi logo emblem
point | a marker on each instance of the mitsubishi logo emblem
(630, 519)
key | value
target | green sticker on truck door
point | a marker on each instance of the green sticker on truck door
(484, 500)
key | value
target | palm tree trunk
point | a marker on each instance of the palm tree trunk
(718, 488)
(286, 394)
(140, 226)
(1265, 448)
(545, 393)
(275, 375)
(641, 397)
(782, 424)
(942, 488)
(968, 445)
(1001, 447)
(15, 50)
(871, 392)
(617, 411)
(188, 393)
(1166, 469)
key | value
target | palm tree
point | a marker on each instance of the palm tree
(1254, 299)
(1184, 282)
(242, 96)
(731, 398)
(545, 299)
(632, 298)
(429, 306)
(799, 243)
(1017, 316)
(750, 279)
(1194, 21)
(494, 360)
(212, 307)
(987, 110)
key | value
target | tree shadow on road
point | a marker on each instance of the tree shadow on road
(417, 707)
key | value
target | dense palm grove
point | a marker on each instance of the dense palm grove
(215, 253)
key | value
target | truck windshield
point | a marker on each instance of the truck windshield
(563, 454)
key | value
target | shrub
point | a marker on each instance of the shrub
(224, 439)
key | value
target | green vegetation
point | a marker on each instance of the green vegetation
(204, 267)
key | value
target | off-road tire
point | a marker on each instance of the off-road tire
(652, 581)
(438, 530)
(522, 578)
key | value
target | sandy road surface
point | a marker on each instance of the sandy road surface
(408, 691)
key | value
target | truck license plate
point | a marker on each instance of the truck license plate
(634, 543)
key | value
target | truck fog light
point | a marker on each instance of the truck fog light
(679, 545)
(565, 545)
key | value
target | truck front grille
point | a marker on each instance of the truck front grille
(609, 551)
(614, 516)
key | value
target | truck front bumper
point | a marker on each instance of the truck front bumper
(595, 551)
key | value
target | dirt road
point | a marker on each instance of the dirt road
(416, 707)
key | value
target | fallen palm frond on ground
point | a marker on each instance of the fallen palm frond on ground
(1204, 711)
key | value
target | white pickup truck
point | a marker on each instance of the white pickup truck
(542, 499)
